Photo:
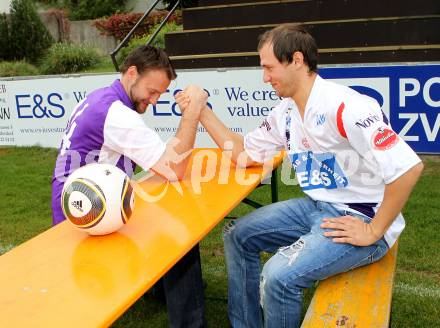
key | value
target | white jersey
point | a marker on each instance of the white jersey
(343, 152)
(126, 133)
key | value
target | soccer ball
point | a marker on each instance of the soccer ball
(97, 198)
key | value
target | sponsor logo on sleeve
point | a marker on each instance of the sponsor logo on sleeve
(366, 122)
(384, 138)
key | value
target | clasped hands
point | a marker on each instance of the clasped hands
(192, 101)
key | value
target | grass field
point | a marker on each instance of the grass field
(25, 177)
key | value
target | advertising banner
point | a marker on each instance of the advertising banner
(409, 95)
(39, 108)
(7, 137)
(35, 111)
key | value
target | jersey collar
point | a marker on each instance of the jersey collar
(311, 101)
(120, 91)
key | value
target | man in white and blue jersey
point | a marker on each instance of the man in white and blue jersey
(107, 127)
(355, 171)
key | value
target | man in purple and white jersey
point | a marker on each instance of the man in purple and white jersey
(355, 171)
(107, 127)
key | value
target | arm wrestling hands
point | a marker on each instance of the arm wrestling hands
(172, 164)
(220, 133)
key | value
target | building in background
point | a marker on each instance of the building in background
(4, 6)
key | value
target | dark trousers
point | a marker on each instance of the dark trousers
(183, 288)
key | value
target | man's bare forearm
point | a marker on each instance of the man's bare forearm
(222, 135)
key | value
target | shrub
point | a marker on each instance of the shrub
(17, 68)
(64, 58)
(119, 25)
(159, 41)
(5, 53)
(29, 37)
(91, 9)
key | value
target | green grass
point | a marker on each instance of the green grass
(25, 198)
(104, 65)
(25, 175)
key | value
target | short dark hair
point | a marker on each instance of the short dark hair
(147, 58)
(289, 38)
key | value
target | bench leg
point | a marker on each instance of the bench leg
(274, 185)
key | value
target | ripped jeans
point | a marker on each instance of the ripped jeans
(303, 255)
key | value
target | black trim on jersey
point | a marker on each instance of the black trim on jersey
(364, 208)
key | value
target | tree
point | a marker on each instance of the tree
(91, 9)
(5, 48)
(28, 35)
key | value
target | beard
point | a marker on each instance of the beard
(139, 104)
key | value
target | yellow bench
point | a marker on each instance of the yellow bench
(65, 278)
(355, 299)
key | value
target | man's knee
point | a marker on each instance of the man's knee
(229, 242)
(229, 234)
(228, 228)
(240, 234)
(234, 231)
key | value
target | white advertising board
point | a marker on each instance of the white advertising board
(35, 111)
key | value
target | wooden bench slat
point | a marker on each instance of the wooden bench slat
(355, 299)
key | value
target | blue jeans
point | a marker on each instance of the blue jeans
(303, 256)
(183, 286)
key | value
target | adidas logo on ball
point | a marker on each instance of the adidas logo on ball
(77, 204)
